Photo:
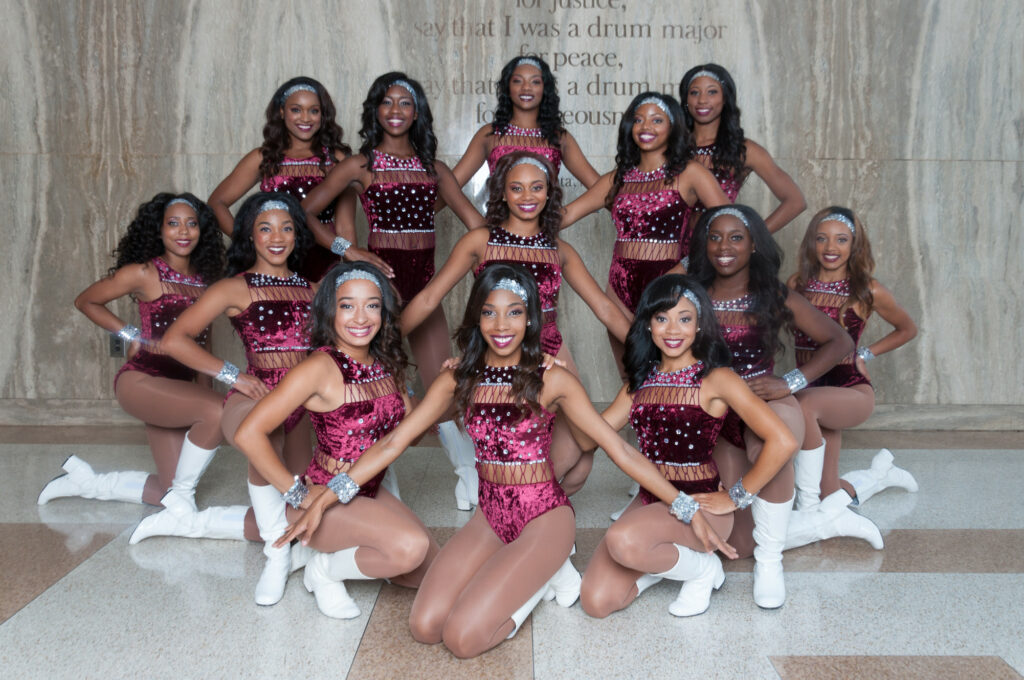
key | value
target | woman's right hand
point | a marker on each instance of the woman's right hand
(251, 386)
(354, 254)
(710, 538)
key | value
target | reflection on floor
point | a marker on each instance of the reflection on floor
(942, 599)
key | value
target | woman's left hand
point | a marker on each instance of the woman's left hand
(710, 538)
(862, 367)
(304, 527)
(314, 492)
(769, 387)
(716, 502)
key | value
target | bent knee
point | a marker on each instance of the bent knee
(426, 627)
(624, 544)
(409, 551)
(596, 603)
(465, 642)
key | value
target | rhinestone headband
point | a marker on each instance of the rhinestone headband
(512, 286)
(660, 103)
(529, 61)
(530, 161)
(273, 204)
(729, 211)
(704, 74)
(841, 219)
(357, 274)
(404, 84)
(692, 297)
(301, 87)
(181, 200)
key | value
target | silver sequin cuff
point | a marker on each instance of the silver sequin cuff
(129, 333)
(796, 380)
(740, 496)
(340, 245)
(684, 507)
(865, 353)
(228, 374)
(296, 493)
(344, 486)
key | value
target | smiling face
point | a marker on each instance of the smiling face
(526, 191)
(358, 315)
(651, 127)
(180, 230)
(833, 244)
(673, 332)
(302, 116)
(503, 321)
(273, 235)
(526, 87)
(704, 100)
(729, 245)
(396, 111)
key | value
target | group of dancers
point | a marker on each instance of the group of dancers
(730, 458)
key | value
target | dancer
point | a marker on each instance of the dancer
(350, 386)
(712, 116)
(527, 118)
(301, 143)
(835, 275)
(735, 258)
(678, 393)
(399, 179)
(268, 303)
(168, 255)
(514, 550)
(524, 211)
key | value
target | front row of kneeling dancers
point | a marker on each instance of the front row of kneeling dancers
(718, 433)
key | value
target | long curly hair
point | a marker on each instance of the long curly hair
(421, 134)
(276, 139)
(386, 345)
(730, 142)
(661, 295)
(242, 251)
(860, 267)
(527, 383)
(549, 115)
(550, 219)
(627, 154)
(142, 240)
(769, 294)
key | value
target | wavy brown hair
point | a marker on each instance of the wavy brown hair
(860, 268)
(276, 139)
(497, 209)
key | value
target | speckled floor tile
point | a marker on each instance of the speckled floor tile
(892, 668)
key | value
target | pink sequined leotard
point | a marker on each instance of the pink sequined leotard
(399, 207)
(298, 177)
(177, 293)
(539, 254)
(517, 482)
(373, 407)
(273, 328)
(750, 358)
(514, 138)
(674, 432)
(831, 298)
(650, 218)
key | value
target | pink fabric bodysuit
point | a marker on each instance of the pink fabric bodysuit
(514, 138)
(831, 298)
(750, 358)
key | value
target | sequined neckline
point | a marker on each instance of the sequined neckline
(169, 273)
(841, 287)
(692, 369)
(292, 160)
(684, 377)
(382, 160)
(516, 131)
(258, 279)
(362, 371)
(708, 150)
(498, 375)
(740, 304)
(638, 175)
(500, 230)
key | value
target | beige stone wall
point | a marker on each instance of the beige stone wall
(909, 112)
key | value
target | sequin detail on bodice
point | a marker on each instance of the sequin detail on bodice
(273, 326)
(373, 407)
(749, 356)
(674, 432)
(514, 138)
(539, 255)
(729, 183)
(502, 431)
(832, 298)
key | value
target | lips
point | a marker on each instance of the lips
(395, 122)
(502, 341)
(725, 260)
(305, 128)
(527, 207)
(276, 250)
(647, 137)
(183, 244)
(673, 344)
(830, 258)
(703, 112)
(526, 98)
(359, 331)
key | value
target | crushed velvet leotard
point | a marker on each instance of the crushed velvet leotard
(674, 432)
(273, 329)
(399, 207)
(650, 219)
(298, 177)
(514, 138)
(831, 298)
(373, 407)
(730, 187)
(513, 444)
(177, 293)
(750, 358)
(539, 255)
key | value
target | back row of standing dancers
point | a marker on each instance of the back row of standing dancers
(694, 309)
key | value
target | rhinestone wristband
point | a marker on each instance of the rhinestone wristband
(740, 496)
(129, 333)
(796, 380)
(344, 486)
(685, 262)
(228, 374)
(296, 493)
(684, 507)
(340, 245)
(865, 353)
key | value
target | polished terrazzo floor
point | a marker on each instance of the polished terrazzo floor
(943, 600)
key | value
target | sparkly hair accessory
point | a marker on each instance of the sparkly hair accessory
(660, 103)
(354, 274)
(404, 84)
(530, 161)
(512, 286)
(273, 204)
(181, 200)
(301, 87)
(530, 61)
(730, 211)
(692, 297)
(704, 74)
(841, 219)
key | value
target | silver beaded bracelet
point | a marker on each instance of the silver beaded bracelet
(129, 333)
(685, 262)
(296, 493)
(795, 380)
(684, 507)
(740, 496)
(865, 353)
(228, 374)
(344, 486)
(340, 245)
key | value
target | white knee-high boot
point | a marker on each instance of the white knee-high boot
(324, 577)
(390, 482)
(881, 475)
(179, 519)
(462, 455)
(192, 463)
(269, 507)
(770, 524)
(700, 572)
(564, 586)
(830, 518)
(519, 615)
(807, 467)
(82, 482)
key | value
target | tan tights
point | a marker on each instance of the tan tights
(571, 463)
(827, 412)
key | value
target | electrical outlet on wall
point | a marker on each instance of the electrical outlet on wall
(117, 346)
